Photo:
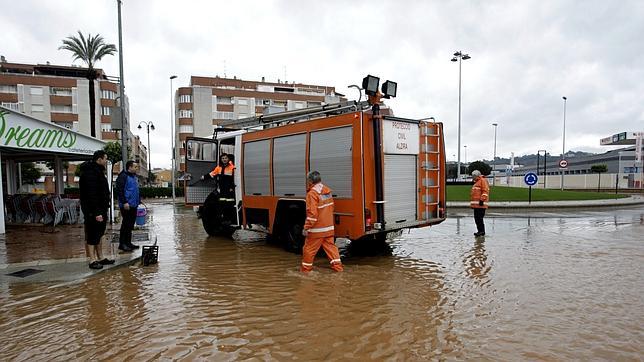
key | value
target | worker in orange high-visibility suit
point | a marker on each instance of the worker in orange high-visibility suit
(223, 173)
(479, 197)
(318, 228)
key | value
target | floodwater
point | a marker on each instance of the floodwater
(540, 286)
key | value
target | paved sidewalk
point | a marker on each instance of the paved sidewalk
(628, 201)
(36, 253)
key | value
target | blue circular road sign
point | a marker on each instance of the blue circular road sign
(530, 178)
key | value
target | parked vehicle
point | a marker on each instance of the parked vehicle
(386, 172)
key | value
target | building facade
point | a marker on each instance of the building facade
(206, 102)
(60, 94)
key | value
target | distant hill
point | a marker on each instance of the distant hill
(532, 159)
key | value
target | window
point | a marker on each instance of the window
(107, 94)
(58, 108)
(8, 89)
(186, 128)
(36, 91)
(106, 111)
(37, 108)
(11, 106)
(56, 91)
(185, 98)
(185, 113)
(201, 151)
(242, 101)
(225, 100)
(224, 115)
(106, 127)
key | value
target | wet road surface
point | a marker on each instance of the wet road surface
(541, 286)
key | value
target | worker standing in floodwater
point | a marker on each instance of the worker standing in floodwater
(479, 197)
(318, 228)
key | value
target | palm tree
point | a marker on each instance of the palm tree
(90, 50)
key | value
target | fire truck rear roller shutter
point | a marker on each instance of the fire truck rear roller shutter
(331, 155)
(400, 188)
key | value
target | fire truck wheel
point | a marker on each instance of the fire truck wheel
(293, 239)
(212, 217)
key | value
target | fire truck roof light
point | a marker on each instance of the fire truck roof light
(389, 89)
(370, 85)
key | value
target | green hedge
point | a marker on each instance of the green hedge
(146, 192)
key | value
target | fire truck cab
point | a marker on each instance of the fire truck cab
(387, 173)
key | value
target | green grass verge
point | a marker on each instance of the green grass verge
(503, 193)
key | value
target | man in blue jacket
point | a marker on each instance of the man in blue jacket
(127, 189)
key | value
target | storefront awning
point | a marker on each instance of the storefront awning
(22, 135)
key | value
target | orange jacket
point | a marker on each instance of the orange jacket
(227, 171)
(480, 192)
(319, 212)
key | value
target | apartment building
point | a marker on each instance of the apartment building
(60, 94)
(209, 101)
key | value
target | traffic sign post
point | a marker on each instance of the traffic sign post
(530, 179)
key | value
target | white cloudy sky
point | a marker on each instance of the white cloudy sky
(526, 55)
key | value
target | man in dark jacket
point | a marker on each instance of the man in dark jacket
(127, 189)
(95, 201)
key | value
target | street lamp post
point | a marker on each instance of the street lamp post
(494, 157)
(172, 135)
(563, 151)
(148, 125)
(545, 159)
(619, 170)
(459, 57)
(465, 147)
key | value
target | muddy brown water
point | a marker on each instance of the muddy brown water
(540, 286)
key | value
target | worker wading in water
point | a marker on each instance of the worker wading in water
(318, 228)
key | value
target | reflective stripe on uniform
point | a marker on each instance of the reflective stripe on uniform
(320, 230)
(476, 202)
(310, 218)
(307, 264)
(323, 206)
(336, 261)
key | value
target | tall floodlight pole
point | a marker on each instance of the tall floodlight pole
(172, 135)
(459, 57)
(563, 151)
(124, 120)
(494, 157)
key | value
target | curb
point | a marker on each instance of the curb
(629, 201)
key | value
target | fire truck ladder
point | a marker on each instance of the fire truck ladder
(428, 151)
(278, 119)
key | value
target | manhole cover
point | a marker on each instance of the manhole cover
(25, 273)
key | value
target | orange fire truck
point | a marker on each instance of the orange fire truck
(387, 173)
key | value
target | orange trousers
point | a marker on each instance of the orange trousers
(311, 247)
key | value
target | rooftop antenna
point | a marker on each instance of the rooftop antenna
(285, 75)
(225, 69)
